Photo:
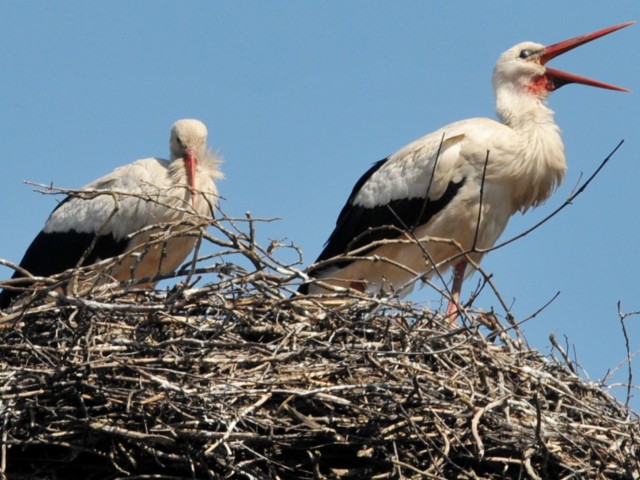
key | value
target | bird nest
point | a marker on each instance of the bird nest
(238, 379)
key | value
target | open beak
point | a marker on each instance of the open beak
(190, 164)
(558, 78)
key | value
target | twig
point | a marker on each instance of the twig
(623, 317)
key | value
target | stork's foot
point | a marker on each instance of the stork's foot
(452, 312)
(458, 276)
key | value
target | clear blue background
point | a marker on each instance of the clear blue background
(301, 97)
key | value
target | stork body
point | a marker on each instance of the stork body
(444, 198)
(149, 211)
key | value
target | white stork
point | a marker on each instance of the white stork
(111, 215)
(456, 188)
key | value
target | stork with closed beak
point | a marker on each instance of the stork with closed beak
(116, 214)
(455, 189)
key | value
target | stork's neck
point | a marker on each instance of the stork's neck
(522, 110)
(539, 165)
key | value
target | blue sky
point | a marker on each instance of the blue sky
(301, 97)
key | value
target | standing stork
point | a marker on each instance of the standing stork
(442, 200)
(116, 215)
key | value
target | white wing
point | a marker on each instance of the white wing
(119, 205)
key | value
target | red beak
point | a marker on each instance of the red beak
(558, 78)
(190, 164)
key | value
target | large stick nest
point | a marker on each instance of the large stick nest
(235, 379)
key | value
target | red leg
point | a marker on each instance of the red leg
(458, 277)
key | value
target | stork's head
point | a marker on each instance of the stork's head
(188, 142)
(188, 136)
(524, 69)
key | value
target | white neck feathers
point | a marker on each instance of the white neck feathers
(539, 165)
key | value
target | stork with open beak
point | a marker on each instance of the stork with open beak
(149, 212)
(445, 198)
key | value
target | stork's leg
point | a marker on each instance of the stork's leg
(458, 276)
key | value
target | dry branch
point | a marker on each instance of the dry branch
(237, 379)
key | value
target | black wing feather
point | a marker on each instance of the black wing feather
(358, 226)
(55, 252)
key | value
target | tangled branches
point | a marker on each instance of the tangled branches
(238, 379)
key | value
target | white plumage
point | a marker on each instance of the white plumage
(456, 188)
(149, 211)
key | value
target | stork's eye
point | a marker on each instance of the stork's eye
(526, 53)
